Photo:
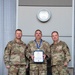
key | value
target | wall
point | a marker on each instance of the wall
(7, 28)
(45, 2)
(1, 36)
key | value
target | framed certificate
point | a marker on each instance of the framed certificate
(38, 56)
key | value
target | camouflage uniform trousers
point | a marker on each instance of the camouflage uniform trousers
(59, 70)
(38, 69)
(17, 70)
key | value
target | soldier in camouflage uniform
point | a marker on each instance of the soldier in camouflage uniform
(60, 55)
(38, 44)
(14, 55)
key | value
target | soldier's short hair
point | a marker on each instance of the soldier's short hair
(54, 32)
(38, 30)
(18, 30)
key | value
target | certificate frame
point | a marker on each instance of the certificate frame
(38, 56)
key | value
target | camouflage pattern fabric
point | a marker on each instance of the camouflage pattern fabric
(17, 70)
(59, 70)
(14, 55)
(38, 69)
(59, 54)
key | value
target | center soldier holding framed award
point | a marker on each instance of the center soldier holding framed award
(38, 52)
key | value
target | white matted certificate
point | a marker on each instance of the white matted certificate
(38, 56)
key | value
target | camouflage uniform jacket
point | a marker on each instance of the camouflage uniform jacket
(14, 53)
(32, 47)
(59, 53)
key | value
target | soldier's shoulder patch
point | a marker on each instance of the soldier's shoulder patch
(10, 42)
(65, 45)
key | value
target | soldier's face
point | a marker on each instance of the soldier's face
(18, 34)
(38, 35)
(55, 37)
